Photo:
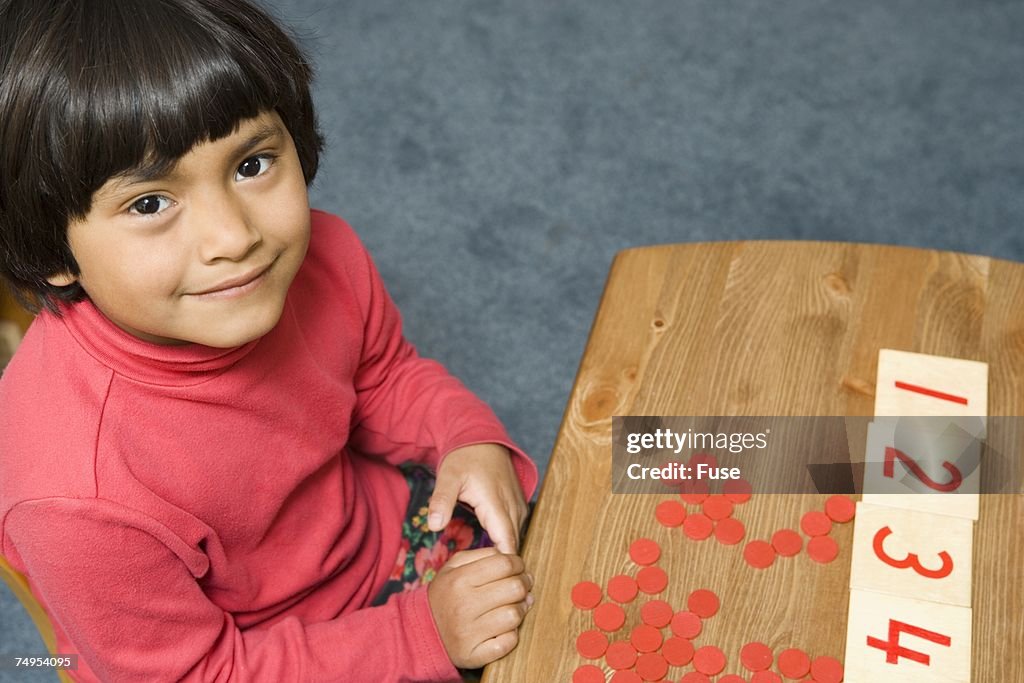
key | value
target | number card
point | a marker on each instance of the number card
(913, 554)
(922, 464)
(900, 640)
(915, 384)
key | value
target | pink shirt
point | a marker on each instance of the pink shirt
(208, 514)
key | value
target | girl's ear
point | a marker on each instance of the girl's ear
(61, 279)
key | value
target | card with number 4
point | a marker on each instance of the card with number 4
(901, 640)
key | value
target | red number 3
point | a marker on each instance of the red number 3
(911, 559)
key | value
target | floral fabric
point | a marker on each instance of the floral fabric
(424, 552)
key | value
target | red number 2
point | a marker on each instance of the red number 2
(911, 559)
(893, 454)
(893, 650)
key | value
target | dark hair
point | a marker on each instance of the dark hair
(92, 89)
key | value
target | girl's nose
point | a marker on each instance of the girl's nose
(224, 228)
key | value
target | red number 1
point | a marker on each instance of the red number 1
(893, 650)
(931, 392)
(893, 454)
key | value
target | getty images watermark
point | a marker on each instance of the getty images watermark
(927, 455)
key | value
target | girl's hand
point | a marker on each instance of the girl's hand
(478, 600)
(481, 476)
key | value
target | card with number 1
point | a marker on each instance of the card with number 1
(916, 384)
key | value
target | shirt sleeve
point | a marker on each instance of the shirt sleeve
(411, 408)
(127, 593)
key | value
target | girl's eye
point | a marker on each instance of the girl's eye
(150, 204)
(254, 166)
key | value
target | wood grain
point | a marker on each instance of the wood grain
(764, 328)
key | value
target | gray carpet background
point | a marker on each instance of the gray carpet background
(495, 155)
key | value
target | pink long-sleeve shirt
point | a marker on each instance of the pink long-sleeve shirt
(186, 512)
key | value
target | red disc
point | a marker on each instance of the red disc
(645, 638)
(756, 656)
(729, 531)
(686, 625)
(670, 513)
(657, 613)
(651, 666)
(732, 678)
(588, 673)
(677, 651)
(703, 603)
(759, 554)
(840, 509)
(586, 595)
(622, 588)
(591, 644)
(709, 660)
(737, 490)
(625, 676)
(652, 580)
(827, 670)
(816, 523)
(787, 542)
(644, 551)
(620, 655)
(766, 677)
(822, 549)
(794, 663)
(694, 492)
(698, 526)
(717, 507)
(694, 677)
(609, 617)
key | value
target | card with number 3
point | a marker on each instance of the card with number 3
(913, 554)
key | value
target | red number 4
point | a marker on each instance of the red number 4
(893, 650)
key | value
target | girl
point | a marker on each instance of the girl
(200, 433)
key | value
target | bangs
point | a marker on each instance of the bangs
(182, 97)
(148, 81)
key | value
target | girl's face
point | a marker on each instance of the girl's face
(205, 253)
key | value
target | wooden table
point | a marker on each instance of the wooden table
(764, 328)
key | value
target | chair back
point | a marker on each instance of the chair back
(19, 586)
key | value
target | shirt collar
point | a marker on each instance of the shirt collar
(143, 360)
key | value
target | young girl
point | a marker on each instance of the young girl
(200, 433)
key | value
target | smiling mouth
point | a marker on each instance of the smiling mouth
(237, 286)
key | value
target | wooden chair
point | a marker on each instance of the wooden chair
(19, 586)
